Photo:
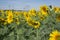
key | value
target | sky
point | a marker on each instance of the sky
(26, 4)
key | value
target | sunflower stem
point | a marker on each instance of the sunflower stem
(37, 35)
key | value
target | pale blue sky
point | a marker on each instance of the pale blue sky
(26, 4)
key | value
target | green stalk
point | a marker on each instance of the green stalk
(37, 35)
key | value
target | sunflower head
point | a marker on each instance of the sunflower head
(1, 11)
(26, 15)
(17, 21)
(55, 35)
(34, 24)
(16, 13)
(58, 18)
(44, 10)
(32, 12)
(56, 9)
(9, 17)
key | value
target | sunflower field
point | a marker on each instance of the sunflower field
(43, 24)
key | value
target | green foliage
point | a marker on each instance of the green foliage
(25, 32)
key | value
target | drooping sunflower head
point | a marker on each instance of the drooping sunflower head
(55, 35)
(44, 10)
(34, 24)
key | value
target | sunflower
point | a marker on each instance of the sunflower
(58, 18)
(16, 13)
(17, 21)
(9, 17)
(2, 11)
(56, 9)
(26, 15)
(41, 16)
(9, 12)
(44, 10)
(2, 20)
(34, 24)
(32, 12)
(55, 35)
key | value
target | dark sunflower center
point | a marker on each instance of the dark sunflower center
(44, 9)
(58, 17)
(55, 9)
(26, 15)
(35, 23)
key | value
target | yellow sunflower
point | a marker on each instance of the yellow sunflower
(32, 12)
(17, 21)
(9, 12)
(44, 10)
(9, 17)
(56, 9)
(9, 20)
(55, 35)
(58, 18)
(26, 15)
(34, 24)
(41, 16)
(16, 13)
(2, 11)
(3, 20)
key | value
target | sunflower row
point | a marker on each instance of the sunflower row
(32, 15)
(35, 19)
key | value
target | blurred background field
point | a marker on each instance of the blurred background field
(29, 20)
